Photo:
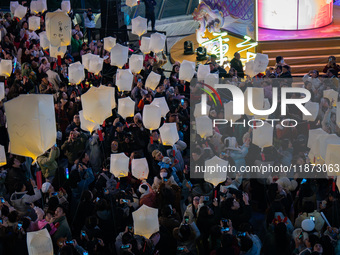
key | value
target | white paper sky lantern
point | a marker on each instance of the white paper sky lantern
(338, 116)
(131, 3)
(332, 158)
(126, 107)
(202, 72)
(169, 134)
(87, 58)
(111, 91)
(58, 28)
(324, 140)
(13, 6)
(39, 243)
(145, 221)
(66, 6)
(86, 124)
(31, 124)
(228, 112)
(139, 26)
(109, 42)
(119, 165)
(57, 51)
(41, 5)
(187, 70)
(33, 23)
(313, 108)
(119, 55)
(140, 168)
(332, 95)
(96, 65)
(162, 104)
(96, 105)
(6, 67)
(153, 80)
(76, 73)
(136, 63)
(124, 79)
(211, 79)
(266, 106)
(260, 63)
(20, 11)
(218, 176)
(258, 99)
(151, 117)
(3, 160)
(144, 45)
(312, 136)
(204, 126)
(157, 42)
(2, 90)
(44, 42)
(198, 110)
(35, 7)
(250, 68)
(263, 135)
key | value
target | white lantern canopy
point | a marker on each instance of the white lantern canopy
(140, 168)
(33, 23)
(131, 3)
(2, 91)
(96, 105)
(332, 95)
(332, 158)
(126, 107)
(211, 79)
(217, 177)
(204, 126)
(44, 42)
(96, 65)
(124, 79)
(338, 116)
(87, 58)
(58, 28)
(151, 116)
(119, 55)
(313, 108)
(111, 91)
(57, 51)
(187, 70)
(6, 67)
(263, 135)
(144, 45)
(136, 63)
(41, 5)
(66, 6)
(20, 11)
(169, 134)
(31, 124)
(260, 63)
(39, 243)
(162, 104)
(36, 7)
(198, 110)
(157, 42)
(119, 165)
(139, 26)
(145, 221)
(250, 68)
(109, 43)
(324, 141)
(13, 6)
(202, 72)
(228, 112)
(153, 80)
(257, 99)
(313, 136)
(76, 73)
(86, 124)
(3, 160)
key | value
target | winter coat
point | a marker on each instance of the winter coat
(48, 164)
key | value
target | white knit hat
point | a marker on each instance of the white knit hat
(308, 225)
(45, 187)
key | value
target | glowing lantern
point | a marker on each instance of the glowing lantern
(144, 45)
(204, 126)
(202, 72)
(86, 124)
(111, 91)
(119, 165)
(263, 135)
(140, 168)
(3, 160)
(13, 6)
(187, 70)
(136, 63)
(157, 42)
(96, 65)
(58, 28)
(119, 55)
(151, 116)
(332, 95)
(33, 23)
(5, 67)
(109, 43)
(57, 51)
(228, 112)
(257, 99)
(250, 68)
(169, 134)
(313, 108)
(324, 141)
(66, 6)
(76, 73)
(44, 42)
(217, 177)
(260, 63)
(313, 137)
(87, 58)
(162, 104)
(198, 110)
(96, 105)
(36, 7)
(39, 243)
(2, 91)
(20, 11)
(211, 79)
(139, 26)
(126, 107)
(266, 106)
(31, 124)
(332, 158)
(124, 79)
(145, 221)
(338, 116)
(153, 80)
(131, 3)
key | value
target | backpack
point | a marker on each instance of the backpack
(22, 208)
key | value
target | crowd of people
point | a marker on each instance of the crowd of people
(88, 210)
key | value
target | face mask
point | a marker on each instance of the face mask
(163, 174)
